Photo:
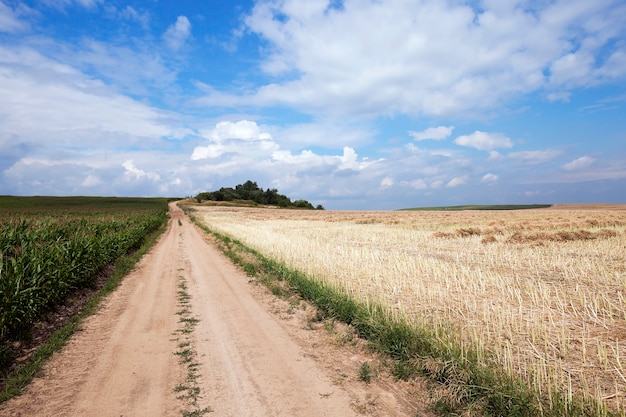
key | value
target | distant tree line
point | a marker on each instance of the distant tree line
(250, 191)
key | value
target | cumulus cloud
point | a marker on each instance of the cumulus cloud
(132, 172)
(307, 159)
(349, 160)
(243, 129)
(246, 144)
(74, 123)
(242, 137)
(580, 163)
(433, 133)
(178, 33)
(484, 141)
(457, 181)
(427, 57)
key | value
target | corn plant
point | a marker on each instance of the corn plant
(45, 255)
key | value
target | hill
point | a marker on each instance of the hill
(249, 192)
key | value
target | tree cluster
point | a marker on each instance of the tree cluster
(250, 191)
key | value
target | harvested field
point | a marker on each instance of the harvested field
(541, 293)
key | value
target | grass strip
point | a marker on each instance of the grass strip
(188, 391)
(463, 383)
(23, 375)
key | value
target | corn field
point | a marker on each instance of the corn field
(49, 251)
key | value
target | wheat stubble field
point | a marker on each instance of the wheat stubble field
(540, 293)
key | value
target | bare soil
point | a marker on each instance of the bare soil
(257, 355)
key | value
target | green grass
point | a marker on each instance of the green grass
(365, 373)
(481, 207)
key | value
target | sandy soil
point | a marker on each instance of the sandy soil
(257, 355)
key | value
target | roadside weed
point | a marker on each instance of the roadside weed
(365, 373)
(189, 392)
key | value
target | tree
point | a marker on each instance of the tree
(250, 191)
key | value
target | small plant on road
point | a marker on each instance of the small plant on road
(365, 373)
(189, 390)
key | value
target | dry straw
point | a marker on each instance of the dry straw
(542, 292)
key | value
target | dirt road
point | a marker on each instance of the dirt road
(250, 354)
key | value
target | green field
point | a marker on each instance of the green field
(18, 205)
(52, 246)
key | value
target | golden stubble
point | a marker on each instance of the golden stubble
(540, 292)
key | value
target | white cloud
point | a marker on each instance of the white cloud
(243, 137)
(62, 4)
(614, 66)
(386, 182)
(436, 184)
(489, 178)
(91, 181)
(244, 145)
(427, 57)
(563, 96)
(325, 133)
(457, 181)
(145, 70)
(418, 184)
(433, 133)
(131, 14)
(494, 155)
(10, 18)
(243, 129)
(178, 33)
(535, 157)
(84, 115)
(349, 159)
(580, 163)
(484, 141)
(209, 151)
(51, 102)
(132, 172)
(308, 159)
(572, 68)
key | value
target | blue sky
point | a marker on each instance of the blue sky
(354, 104)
